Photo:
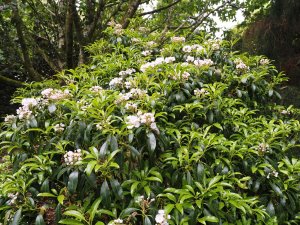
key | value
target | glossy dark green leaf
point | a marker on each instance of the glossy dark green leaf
(151, 141)
(103, 149)
(105, 193)
(73, 181)
(17, 217)
(147, 221)
(39, 220)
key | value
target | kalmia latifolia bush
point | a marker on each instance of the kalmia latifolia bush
(156, 130)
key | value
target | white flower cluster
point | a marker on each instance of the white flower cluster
(10, 118)
(116, 82)
(285, 112)
(178, 76)
(131, 106)
(146, 53)
(151, 43)
(156, 62)
(177, 39)
(140, 118)
(55, 94)
(72, 157)
(24, 112)
(117, 221)
(240, 65)
(134, 93)
(161, 218)
(215, 46)
(135, 40)
(96, 89)
(118, 29)
(190, 58)
(59, 127)
(263, 148)
(190, 48)
(203, 62)
(199, 93)
(264, 62)
(124, 73)
(13, 198)
(273, 173)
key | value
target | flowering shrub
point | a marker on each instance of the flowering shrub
(185, 133)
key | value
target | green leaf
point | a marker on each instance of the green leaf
(39, 220)
(151, 141)
(61, 199)
(179, 207)
(90, 166)
(147, 221)
(17, 217)
(105, 193)
(45, 186)
(116, 187)
(103, 150)
(113, 143)
(76, 214)
(46, 195)
(73, 181)
(211, 219)
(70, 222)
(93, 209)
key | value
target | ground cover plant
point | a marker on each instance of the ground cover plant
(156, 130)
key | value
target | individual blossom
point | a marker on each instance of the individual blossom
(72, 157)
(24, 113)
(124, 73)
(203, 63)
(161, 218)
(184, 64)
(177, 39)
(136, 93)
(215, 46)
(10, 118)
(133, 122)
(29, 102)
(59, 127)
(135, 40)
(150, 43)
(118, 29)
(187, 48)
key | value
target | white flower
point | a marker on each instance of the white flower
(184, 64)
(161, 218)
(133, 121)
(55, 94)
(204, 62)
(117, 81)
(169, 59)
(131, 106)
(285, 112)
(96, 89)
(154, 127)
(59, 127)
(197, 47)
(187, 48)
(264, 62)
(29, 102)
(135, 40)
(190, 59)
(177, 39)
(215, 46)
(9, 118)
(150, 43)
(24, 113)
(146, 53)
(118, 221)
(147, 118)
(185, 75)
(201, 92)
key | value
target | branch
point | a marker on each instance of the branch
(97, 17)
(160, 9)
(69, 34)
(130, 13)
(11, 82)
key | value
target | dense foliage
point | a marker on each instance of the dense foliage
(156, 130)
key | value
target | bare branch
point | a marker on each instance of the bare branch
(160, 9)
